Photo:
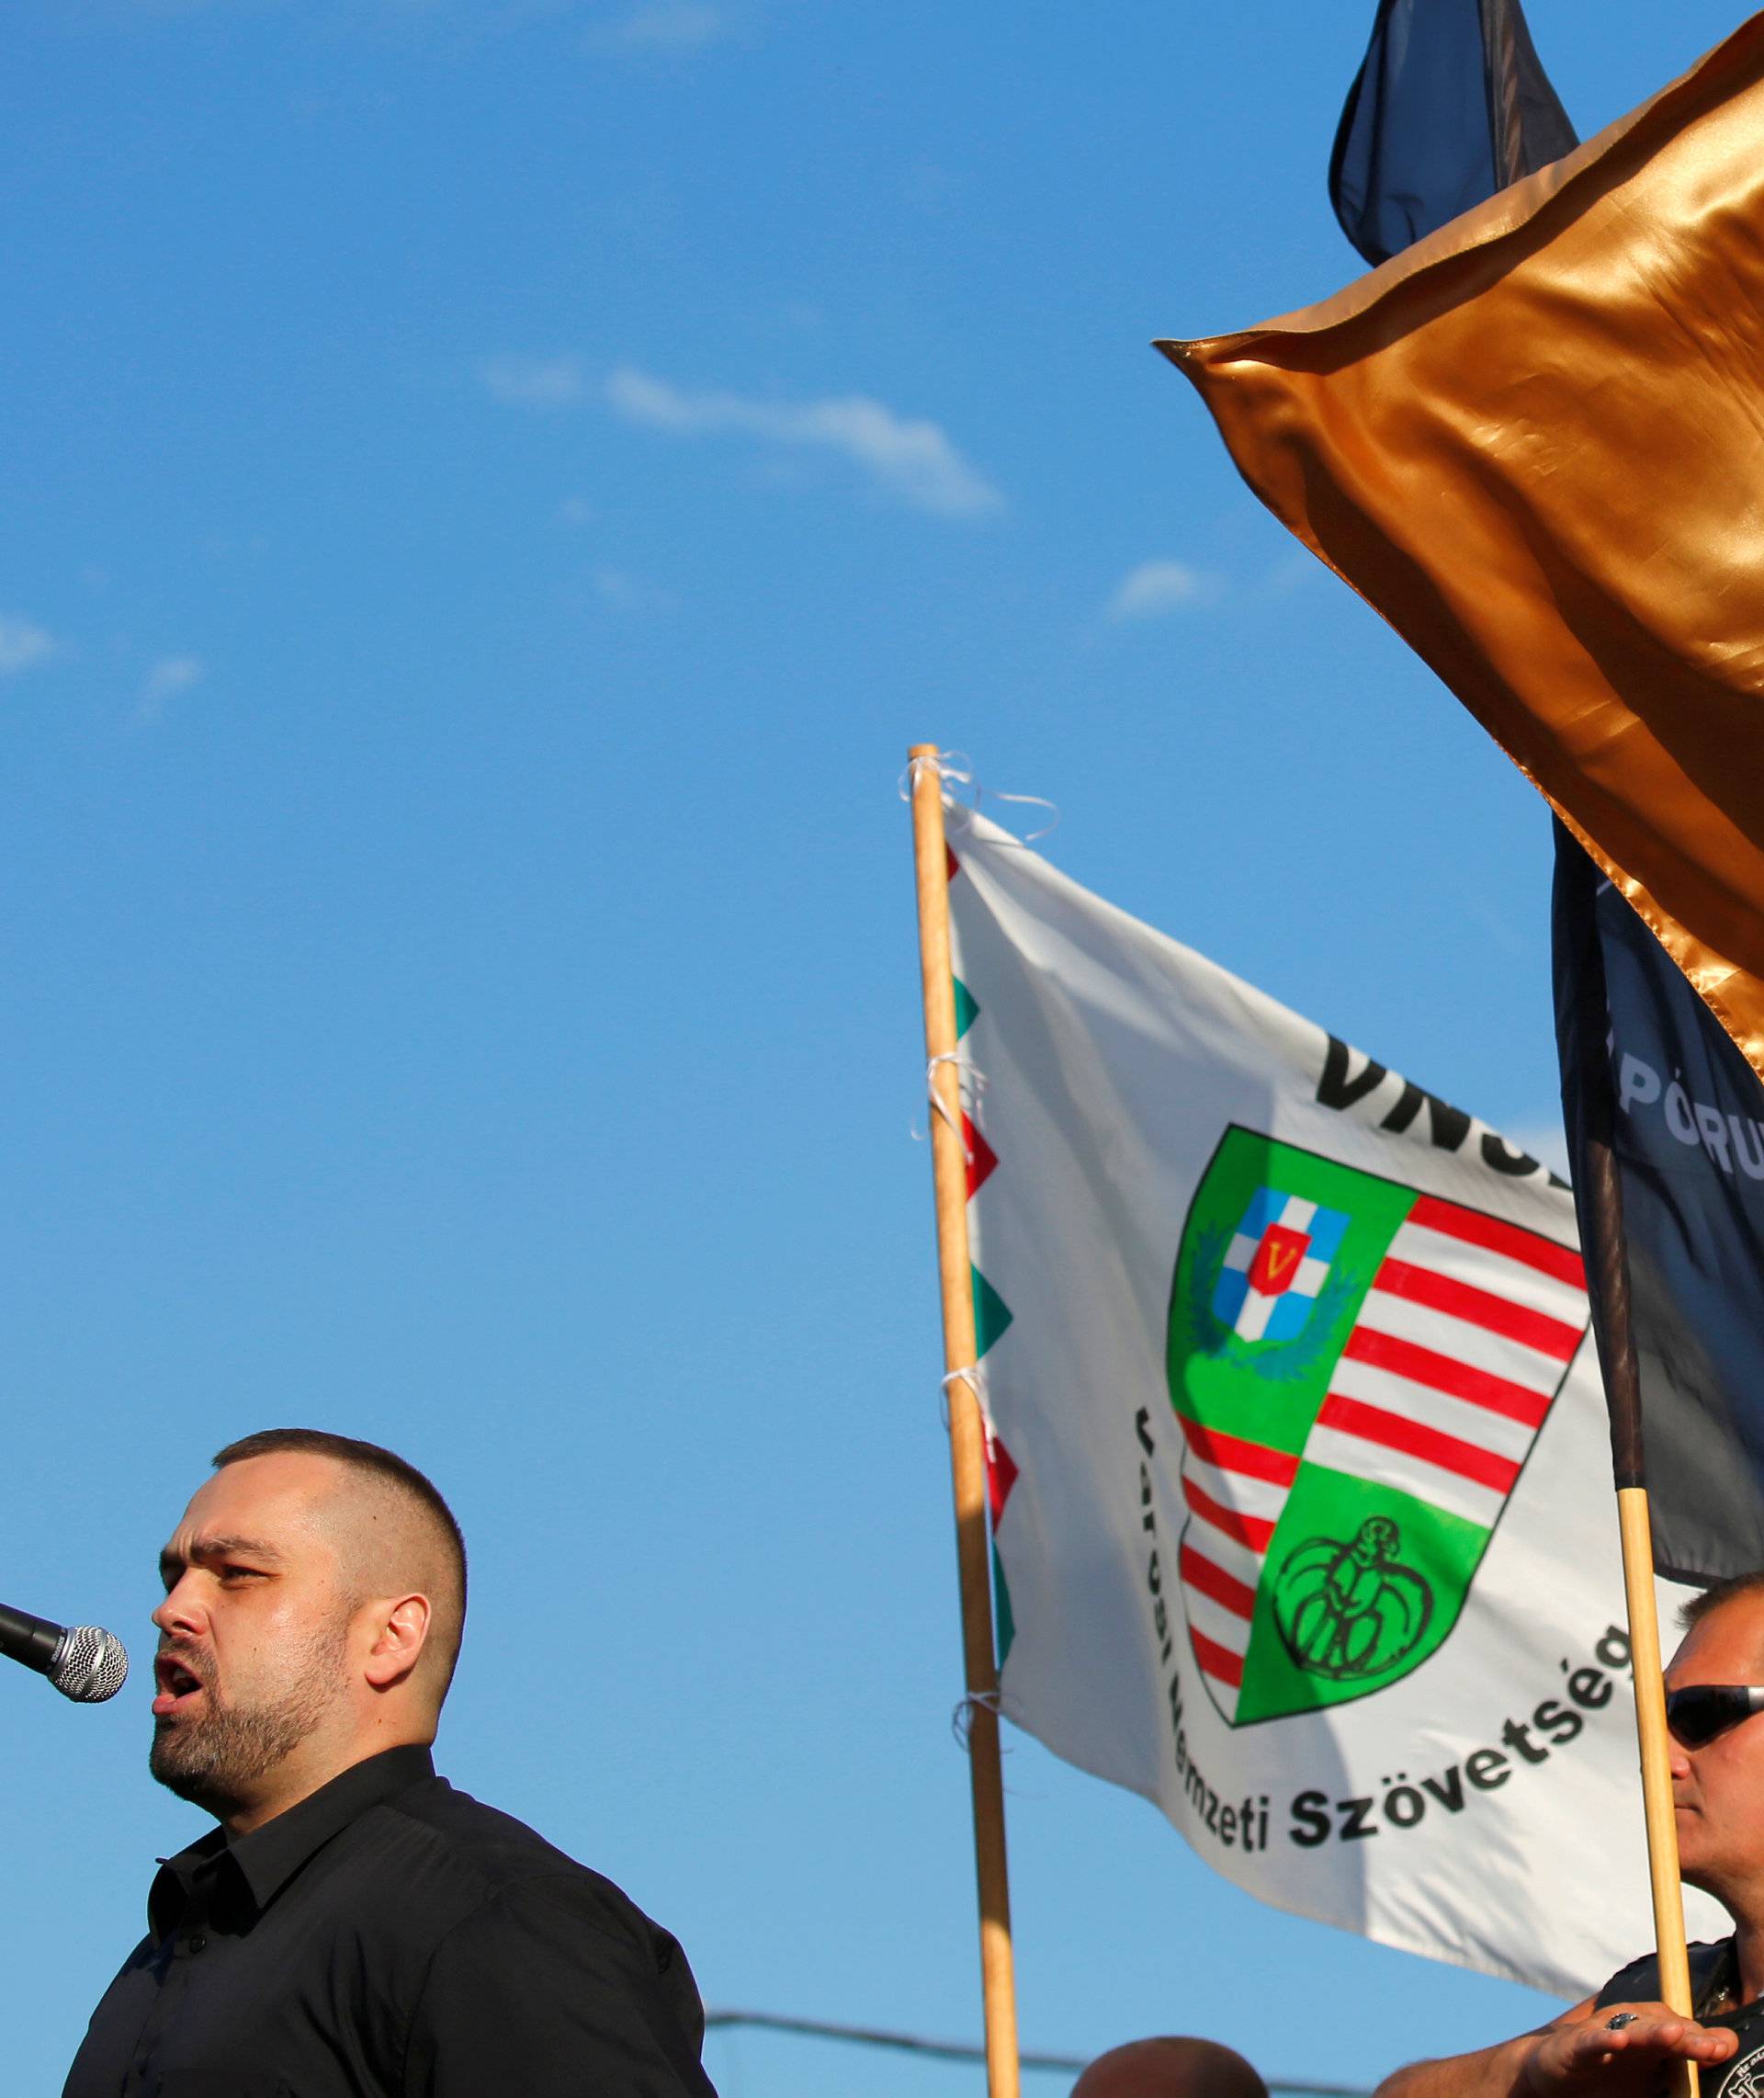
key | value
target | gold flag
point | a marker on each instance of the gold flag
(1535, 442)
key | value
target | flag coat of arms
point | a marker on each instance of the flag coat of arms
(1360, 1372)
(1301, 1493)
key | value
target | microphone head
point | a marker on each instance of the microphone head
(89, 1665)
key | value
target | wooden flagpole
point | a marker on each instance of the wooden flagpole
(1657, 1776)
(967, 1433)
(1600, 1202)
(1623, 1391)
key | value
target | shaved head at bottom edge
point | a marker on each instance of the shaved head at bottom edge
(1169, 2068)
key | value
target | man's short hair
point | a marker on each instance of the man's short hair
(1173, 2066)
(390, 1470)
(1720, 1592)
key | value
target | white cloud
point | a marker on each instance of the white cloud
(913, 460)
(628, 593)
(1157, 588)
(165, 678)
(532, 381)
(667, 26)
(1291, 574)
(23, 645)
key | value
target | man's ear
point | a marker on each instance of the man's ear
(402, 1631)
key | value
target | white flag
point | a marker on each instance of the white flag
(1302, 1496)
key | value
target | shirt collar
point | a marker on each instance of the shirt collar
(269, 1857)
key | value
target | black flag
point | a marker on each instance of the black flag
(1665, 1119)
(1662, 1108)
(1449, 106)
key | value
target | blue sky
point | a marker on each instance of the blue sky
(493, 489)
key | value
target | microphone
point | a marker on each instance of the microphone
(83, 1662)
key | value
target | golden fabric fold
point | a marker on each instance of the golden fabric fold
(1534, 443)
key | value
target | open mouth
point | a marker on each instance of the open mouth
(179, 1686)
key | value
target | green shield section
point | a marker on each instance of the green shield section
(1269, 1391)
(1361, 1582)
(1333, 1622)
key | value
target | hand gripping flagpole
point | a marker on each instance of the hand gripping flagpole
(966, 1435)
(1599, 1200)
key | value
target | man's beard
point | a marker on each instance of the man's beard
(215, 1759)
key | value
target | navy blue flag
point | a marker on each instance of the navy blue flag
(1665, 1119)
(1449, 106)
(1649, 1078)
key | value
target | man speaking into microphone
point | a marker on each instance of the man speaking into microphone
(355, 1925)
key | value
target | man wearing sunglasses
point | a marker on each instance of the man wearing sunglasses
(1622, 2042)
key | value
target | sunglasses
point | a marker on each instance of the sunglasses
(1696, 1716)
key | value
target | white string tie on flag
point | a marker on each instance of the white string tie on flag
(959, 1377)
(961, 1719)
(1027, 800)
(966, 1075)
(971, 1377)
(974, 1377)
(950, 765)
(955, 768)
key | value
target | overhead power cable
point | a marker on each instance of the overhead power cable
(962, 2051)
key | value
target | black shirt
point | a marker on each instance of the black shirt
(389, 1937)
(1714, 1979)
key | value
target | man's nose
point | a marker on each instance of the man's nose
(180, 1612)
